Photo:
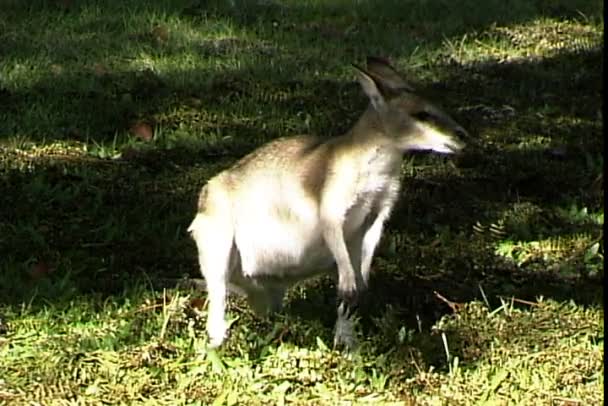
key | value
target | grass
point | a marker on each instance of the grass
(142, 347)
(487, 289)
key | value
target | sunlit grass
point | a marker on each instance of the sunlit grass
(487, 287)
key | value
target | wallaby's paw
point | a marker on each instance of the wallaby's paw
(347, 291)
(348, 343)
(344, 338)
(217, 333)
(215, 342)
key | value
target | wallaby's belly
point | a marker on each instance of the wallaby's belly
(278, 230)
(286, 249)
(281, 247)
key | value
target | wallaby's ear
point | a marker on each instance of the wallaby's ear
(386, 76)
(371, 89)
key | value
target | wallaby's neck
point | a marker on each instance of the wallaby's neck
(368, 129)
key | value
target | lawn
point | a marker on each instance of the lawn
(488, 287)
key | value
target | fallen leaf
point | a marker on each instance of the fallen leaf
(193, 101)
(64, 4)
(40, 270)
(197, 303)
(160, 34)
(56, 69)
(143, 131)
(100, 70)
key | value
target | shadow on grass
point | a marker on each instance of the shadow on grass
(95, 100)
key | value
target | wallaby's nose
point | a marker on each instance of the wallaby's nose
(458, 143)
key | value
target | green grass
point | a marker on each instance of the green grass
(141, 347)
(487, 289)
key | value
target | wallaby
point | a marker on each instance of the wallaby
(300, 206)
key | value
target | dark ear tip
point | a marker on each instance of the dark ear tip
(378, 59)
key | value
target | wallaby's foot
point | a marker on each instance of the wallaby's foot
(216, 329)
(344, 337)
(266, 301)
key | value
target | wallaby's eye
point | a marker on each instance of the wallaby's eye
(422, 115)
(461, 134)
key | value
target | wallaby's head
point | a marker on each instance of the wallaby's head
(412, 122)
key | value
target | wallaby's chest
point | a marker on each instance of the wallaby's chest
(377, 187)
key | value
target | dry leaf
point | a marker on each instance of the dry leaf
(56, 69)
(197, 303)
(40, 270)
(100, 70)
(143, 131)
(160, 34)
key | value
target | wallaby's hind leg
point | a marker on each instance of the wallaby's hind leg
(265, 300)
(274, 298)
(214, 241)
(276, 295)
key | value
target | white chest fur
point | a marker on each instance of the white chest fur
(377, 188)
